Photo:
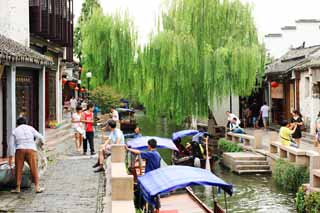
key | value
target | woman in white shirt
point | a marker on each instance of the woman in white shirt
(77, 126)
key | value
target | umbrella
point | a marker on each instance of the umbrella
(142, 143)
(184, 133)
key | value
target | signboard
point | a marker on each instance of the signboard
(277, 92)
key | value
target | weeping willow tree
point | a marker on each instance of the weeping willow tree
(109, 47)
(86, 12)
(204, 50)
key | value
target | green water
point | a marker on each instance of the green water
(252, 193)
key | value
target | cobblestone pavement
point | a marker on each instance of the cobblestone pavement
(70, 183)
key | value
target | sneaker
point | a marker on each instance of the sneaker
(95, 165)
(84, 153)
(93, 153)
(100, 169)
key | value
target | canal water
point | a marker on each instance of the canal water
(252, 193)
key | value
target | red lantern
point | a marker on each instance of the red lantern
(76, 89)
(274, 84)
(82, 90)
(64, 81)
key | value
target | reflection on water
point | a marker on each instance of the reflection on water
(252, 193)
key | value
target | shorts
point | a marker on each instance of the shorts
(265, 120)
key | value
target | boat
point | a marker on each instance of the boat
(187, 155)
(127, 120)
(168, 182)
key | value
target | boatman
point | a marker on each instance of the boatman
(152, 156)
(153, 160)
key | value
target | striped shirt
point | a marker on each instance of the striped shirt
(23, 137)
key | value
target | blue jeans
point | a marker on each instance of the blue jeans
(238, 130)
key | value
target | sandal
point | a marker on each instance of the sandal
(15, 191)
(40, 190)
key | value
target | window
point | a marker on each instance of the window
(307, 87)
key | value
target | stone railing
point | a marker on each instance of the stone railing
(119, 185)
(254, 141)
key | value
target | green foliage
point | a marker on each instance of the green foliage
(299, 200)
(289, 176)
(105, 97)
(86, 12)
(108, 48)
(312, 202)
(228, 146)
(203, 50)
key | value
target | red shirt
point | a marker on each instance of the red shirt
(88, 116)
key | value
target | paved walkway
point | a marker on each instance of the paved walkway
(71, 186)
(267, 135)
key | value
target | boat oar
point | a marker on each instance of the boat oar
(207, 154)
(208, 189)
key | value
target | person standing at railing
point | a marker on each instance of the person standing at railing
(297, 120)
(22, 146)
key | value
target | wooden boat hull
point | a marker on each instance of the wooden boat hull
(187, 202)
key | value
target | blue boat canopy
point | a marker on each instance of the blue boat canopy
(184, 133)
(141, 143)
(125, 110)
(170, 178)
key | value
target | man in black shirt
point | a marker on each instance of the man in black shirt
(255, 110)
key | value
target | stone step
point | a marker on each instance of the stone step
(244, 156)
(53, 142)
(252, 167)
(252, 171)
(57, 133)
(251, 162)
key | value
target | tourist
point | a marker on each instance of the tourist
(255, 112)
(317, 137)
(230, 117)
(88, 120)
(73, 105)
(297, 119)
(115, 137)
(22, 145)
(77, 126)
(115, 116)
(286, 131)
(264, 114)
(235, 128)
(84, 105)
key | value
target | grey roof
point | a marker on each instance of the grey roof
(272, 35)
(312, 62)
(290, 60)
(12, 51)
(289, 28)
(308, 21)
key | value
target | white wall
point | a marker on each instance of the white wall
(275, 46)
(304, 32)
(309, 105)
(219, 109)
(1, 119)
(14, 20)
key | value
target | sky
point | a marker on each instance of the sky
(269, 15)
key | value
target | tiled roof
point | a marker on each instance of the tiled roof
(290, 60)
(12, 51)
(313, 63)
